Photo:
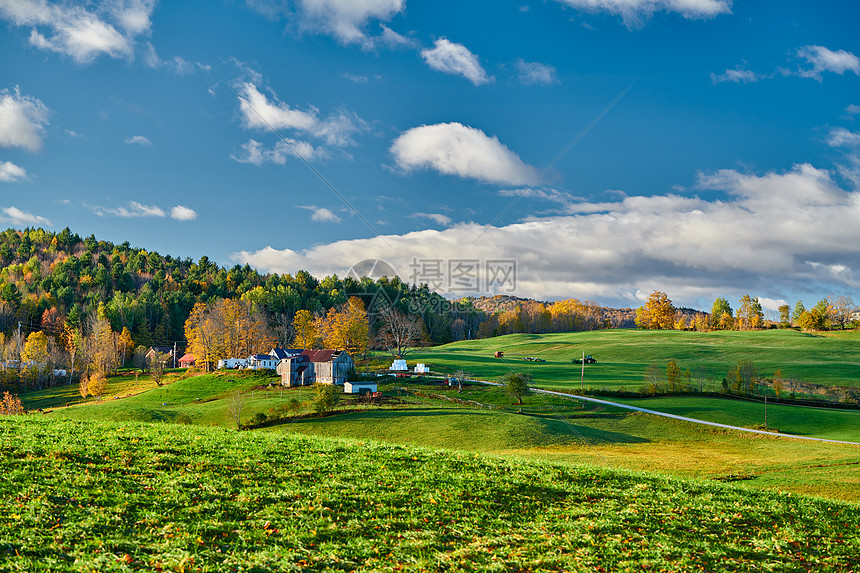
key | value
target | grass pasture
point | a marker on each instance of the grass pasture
(624, 355)
(95, 496)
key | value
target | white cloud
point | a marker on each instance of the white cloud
(255, 153)
(83, 32)
(457, 149)
(355, 78)
(636, 12)
(11, 173)
(16, 216)
(456, 59)
(841, 137)
(536, 73)
(773, 235)
(22, 120)
(134, 209)
(852, 109)
(182, 213)
(825, 60)
(258, 112)
(553, 195)
(437, 218)
(321, 214)
(138, 140)
(346, 20)
(738, 75)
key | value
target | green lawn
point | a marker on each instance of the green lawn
(624, 355)
(95, 496)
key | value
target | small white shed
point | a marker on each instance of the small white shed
(359, 387)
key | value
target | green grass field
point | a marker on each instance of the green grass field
(550, 428)
(624, 355)
(96, 496)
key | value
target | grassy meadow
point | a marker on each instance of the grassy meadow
(624, 355)
(99, 496)
(550, 428)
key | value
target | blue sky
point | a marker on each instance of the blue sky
(729, 165)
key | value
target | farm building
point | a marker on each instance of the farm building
(296, 370)
(311, 366)
(360, 387)
(232, 363)
(258, 361)
(187, 361)
(164, 352)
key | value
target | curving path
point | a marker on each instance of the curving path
(676, 417)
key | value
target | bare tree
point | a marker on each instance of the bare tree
(399, 331)
(840, 309)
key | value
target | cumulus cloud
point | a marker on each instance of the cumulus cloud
(346, 20)
(182, 213)
(825, 60)
(636, 12)
(841, 137)
(82, 32)
(457, 149)
(451, 58)
(770, 235)
(739, 75)
(134, 209)
(15, 216)
(321, 214)
(255, 153)
(11, 173)
(535, 73)
(138, 140)
(22, 120)
(260, 112)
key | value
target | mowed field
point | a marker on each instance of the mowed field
(624, 355)
(126, 496)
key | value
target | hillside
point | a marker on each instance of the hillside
(167, 497)
(625, 355)
(551, 428)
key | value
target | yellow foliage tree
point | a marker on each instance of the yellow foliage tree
(657, 313)
(226, 328)
(305, 327)
(346, 328)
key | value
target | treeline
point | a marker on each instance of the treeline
(829, 313)
(74, 289)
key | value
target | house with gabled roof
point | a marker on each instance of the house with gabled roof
(325, 366)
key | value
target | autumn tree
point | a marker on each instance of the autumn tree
(11, 405)
(346, 328)
(306, 334)
(96, 384)
(778, 383)
(399, 330)
(750, 314)
(657, 313)
(673, 376)
(799, 309)
(721, 315)
(226, 328)
(784, 316)
(35, 357)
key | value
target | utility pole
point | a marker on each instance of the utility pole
(582, 380)
(174, 355)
